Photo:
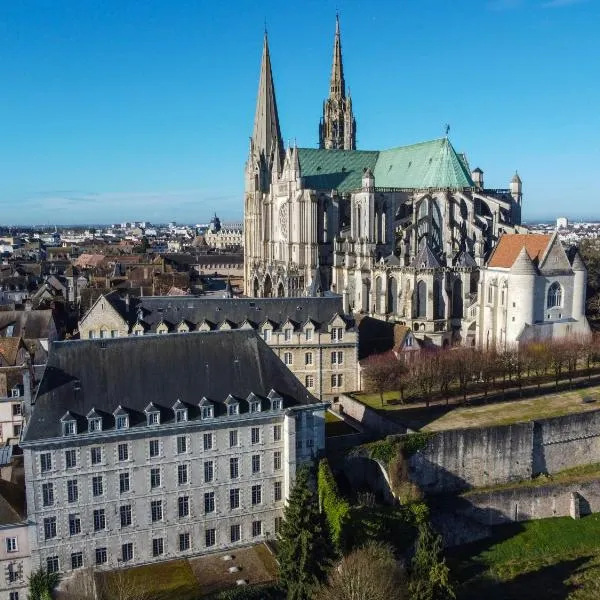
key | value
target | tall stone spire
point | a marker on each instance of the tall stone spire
(337, 128)
(266, 136)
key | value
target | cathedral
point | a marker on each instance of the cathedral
(400, 233)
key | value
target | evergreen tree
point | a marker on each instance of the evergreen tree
(304, 550)
(430, 576)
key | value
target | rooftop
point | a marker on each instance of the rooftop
(510, 245)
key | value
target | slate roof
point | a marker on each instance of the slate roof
(132, 372)
(510, 244)
(427, 165)
(426, 259)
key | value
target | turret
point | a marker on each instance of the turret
(516, 187)
(368, 180)
(477, 177)
(579, 287)
(521, 285)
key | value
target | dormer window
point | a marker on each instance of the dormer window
(277, 404)
(152, 414)
(69, 424)
(308, 334)
(122, 422)
(233, 409)
(181, 415)
(94, 424)
(287, 334)
(207, 412)
(337, 334)
(16, 392)
(255, 406)
(267, 335)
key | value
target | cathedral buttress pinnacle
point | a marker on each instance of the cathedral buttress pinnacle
(266, 137)
(338, 126)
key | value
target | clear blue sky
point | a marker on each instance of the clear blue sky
(120, 109)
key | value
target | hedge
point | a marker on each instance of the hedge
(335, 507)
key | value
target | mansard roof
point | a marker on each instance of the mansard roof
(125, 371)
(510, 244)
(428, 165)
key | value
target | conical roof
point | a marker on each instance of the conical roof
(516, 178)
(578, 264)
(523, 265)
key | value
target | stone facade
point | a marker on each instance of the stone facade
(15, 560)
(310, 335)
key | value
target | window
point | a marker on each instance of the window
(208, 441)
(17, 428)
(210, 537)
(13, 595)
(277, 460)
(337, 334)
(278, 524)
(337, 380)
(125, 513)
(101, 556)
(94, 424)
(209, 471)
(287, 335)
(234, 467)
(233, 438)
(182, 474)
(183, 506)
(153, 418)
(76, 560)
(207, 412)
(96, 456)
(276, 433)
(74, 524)
(554, 295)
(154, 478)
(234, 498)
(298, 444)
(181, 444)
(11, 544)
(158, 546)
(45, 462)
(99, 519)
(276, 404)
(156, 511)
(337, 358)
(127, 552)
(209, 502)
(180, 415)
(277, 491)
(287, 358)
(47, 494)
(235, 533)
(256, 528)
(70, 459)
(309, 382)
(233, 409)
(72, 490)
(17, 410)
(255, 463)
(267, 335)
(255, 435)
(184, 542)
(153, 448)
(255, 406)
(123, 482)
(69, 428)
(256, 494)
(122, 422)
(52, 565)
(49, 528)
(308, 335)
(123, 452)
(97, 485)
(308, 358)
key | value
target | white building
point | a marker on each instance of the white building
(528, 290)
(149, 448)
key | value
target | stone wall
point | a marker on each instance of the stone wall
(367, 417)
(460, 459)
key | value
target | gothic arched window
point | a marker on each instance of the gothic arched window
(421, 299)
(554, 295)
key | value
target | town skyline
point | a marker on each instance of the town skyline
(151, 115)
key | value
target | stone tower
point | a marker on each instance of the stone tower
(337, 128)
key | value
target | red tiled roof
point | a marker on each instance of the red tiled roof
(510, 245)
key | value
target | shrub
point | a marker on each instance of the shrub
(335, 507)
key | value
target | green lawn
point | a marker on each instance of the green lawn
(550, 559)
(334, 426)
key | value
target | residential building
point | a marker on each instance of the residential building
(149, 448)
(311, 335)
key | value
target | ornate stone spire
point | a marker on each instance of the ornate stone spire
(337, 128)
(266, 136)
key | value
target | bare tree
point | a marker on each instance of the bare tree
(81, 586)
(120, 585)
(368, 573)
(446, 374)
(425, 374)
(380, 374)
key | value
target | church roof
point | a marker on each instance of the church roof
(433, 164)
(509, 246)
(426, 259)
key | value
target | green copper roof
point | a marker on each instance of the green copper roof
(433, 164)
(334, 169)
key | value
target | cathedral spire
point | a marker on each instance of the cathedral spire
(266, 136)
(337, 128)
(337, 86)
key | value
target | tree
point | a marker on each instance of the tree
(380, 374)
(446, 373)
(430, 576)
(122, 585)
(304, 551)
(367, 573)
(41, 584)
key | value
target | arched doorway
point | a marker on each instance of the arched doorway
(457, 299)
(268, 287)
(280, 290)
(421, 299)
(256, 288)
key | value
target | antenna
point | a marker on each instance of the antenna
(447, 129)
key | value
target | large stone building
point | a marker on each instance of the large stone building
(529, 290)
(311, 335)
(147, 448)
(400, 233)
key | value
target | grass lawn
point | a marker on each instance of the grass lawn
(438, 417)
(550, 559)
(334, 426)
